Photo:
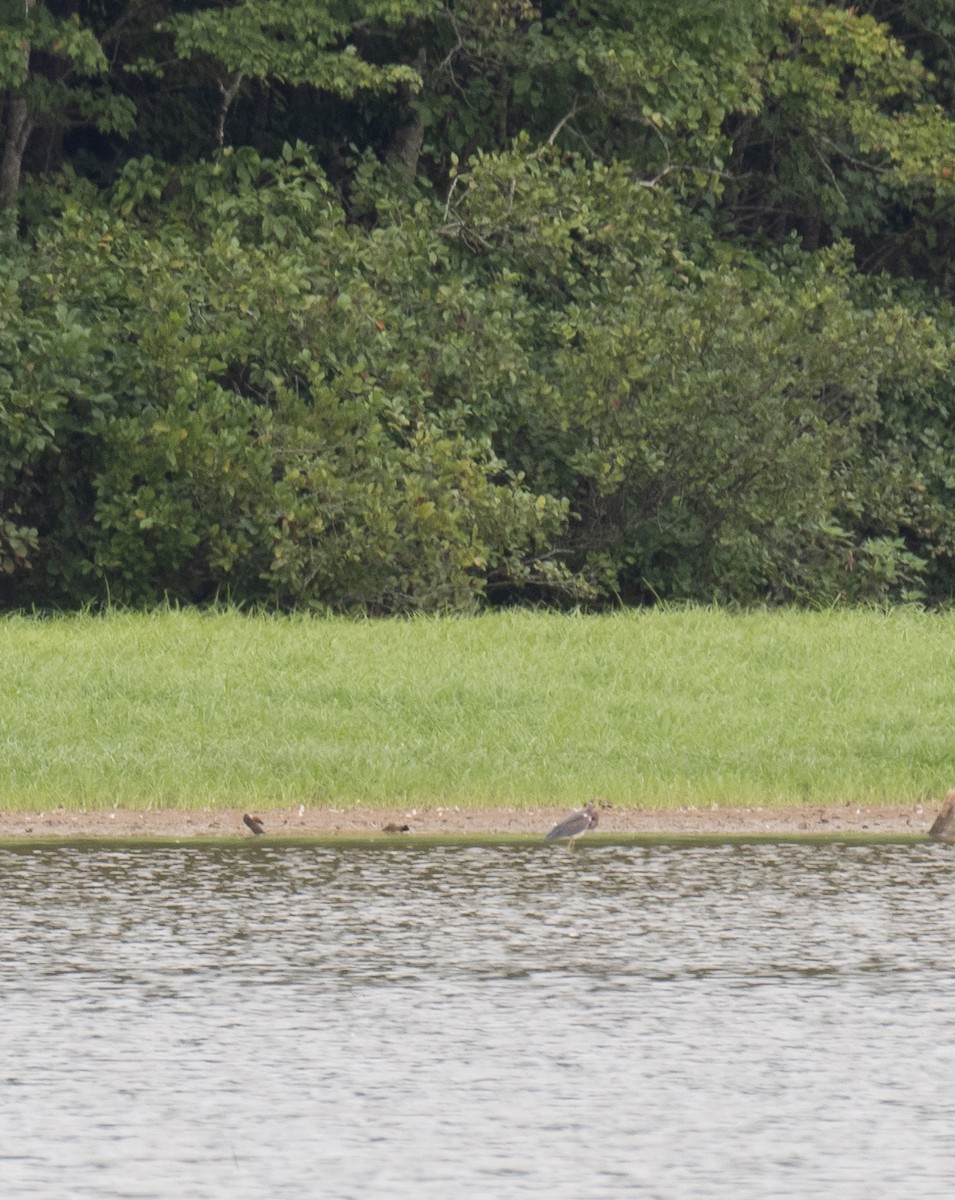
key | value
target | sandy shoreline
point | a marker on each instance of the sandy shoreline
(908, 820)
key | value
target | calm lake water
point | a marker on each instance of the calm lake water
(725, 1021)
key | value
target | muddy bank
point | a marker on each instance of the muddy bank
(334, 822)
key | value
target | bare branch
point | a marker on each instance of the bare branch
(229, 93)
(561, 123)
(447, 203)
(832, 175)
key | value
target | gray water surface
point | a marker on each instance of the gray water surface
(708, 1022)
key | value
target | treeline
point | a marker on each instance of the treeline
(413, 305)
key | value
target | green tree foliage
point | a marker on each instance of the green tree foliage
(407, 305)
(849, 142)
(239, 419)
(710, 414)
(52, 77)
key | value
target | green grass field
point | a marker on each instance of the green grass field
(655, 708)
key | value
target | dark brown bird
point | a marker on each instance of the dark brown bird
(392, 827)
(254, 823)
(943, 828)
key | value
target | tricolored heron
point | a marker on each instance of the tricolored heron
(573, 826)
(943, 827)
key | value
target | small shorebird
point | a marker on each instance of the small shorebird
(254, 823)
(573, 826)
(394, 827)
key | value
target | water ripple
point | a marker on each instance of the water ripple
(666, 1020)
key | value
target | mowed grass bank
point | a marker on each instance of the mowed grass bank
(656, 708)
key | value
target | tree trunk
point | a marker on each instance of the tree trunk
(404, 149)
(18, 130)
